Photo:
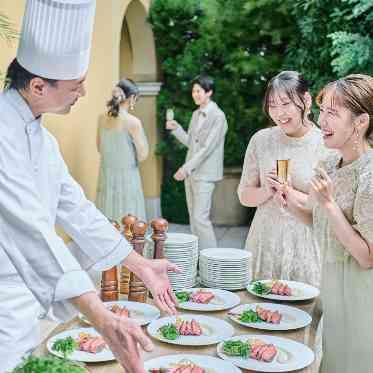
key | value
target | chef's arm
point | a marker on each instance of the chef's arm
(39, 255)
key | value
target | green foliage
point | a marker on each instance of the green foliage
(7, 33)
(335, 38)
(240, 44)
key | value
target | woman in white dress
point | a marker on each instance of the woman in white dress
(282, 247)
(340, 211)
(122, 144)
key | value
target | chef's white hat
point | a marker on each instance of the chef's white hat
(56, 38)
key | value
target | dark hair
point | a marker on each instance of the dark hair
(17, 77)
(128, 88)
(354, 92)
(205, 81)
(293, 84)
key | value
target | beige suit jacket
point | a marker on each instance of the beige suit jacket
(205, 144)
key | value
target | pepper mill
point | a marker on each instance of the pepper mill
(109, 279)
(159, 236)
(128, 221)
(137, 289)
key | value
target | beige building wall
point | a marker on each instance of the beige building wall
(117, 51)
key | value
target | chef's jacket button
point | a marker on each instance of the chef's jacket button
(36, 168)
(196, 140)
(42, 315)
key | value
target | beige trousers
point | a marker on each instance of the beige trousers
(199, 198)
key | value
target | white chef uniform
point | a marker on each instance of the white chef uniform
(37, 271)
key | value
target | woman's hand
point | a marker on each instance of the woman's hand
(321, 188)
(272, 185)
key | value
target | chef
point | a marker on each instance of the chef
(38, 272)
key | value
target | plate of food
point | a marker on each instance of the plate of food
(83, 344)
(140, 313)
(264, 353)
(270, 316)
(190, 330)
(206, 299)
(283, 290)
(195, 364)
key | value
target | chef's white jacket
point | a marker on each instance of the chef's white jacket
(37, 192)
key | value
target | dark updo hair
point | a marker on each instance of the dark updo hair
(294, 85)
(17, 77)
(127, 88)
(205, 81)
(354, 92)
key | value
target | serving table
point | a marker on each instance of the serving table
(305, 335)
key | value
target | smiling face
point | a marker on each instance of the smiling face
(336, 121)
(287, 113)
(200, 96)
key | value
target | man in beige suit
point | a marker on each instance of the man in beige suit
(204, 162)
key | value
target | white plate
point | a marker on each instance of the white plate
(214, 330)
(292, 318)
(176, 239)
(140, 313)
(223, 300)
(299, 356)
(86, 357)
(226, 254)
(300, 290)
(210, 363)
(222, 286)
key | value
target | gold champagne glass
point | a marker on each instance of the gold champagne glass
(283, 170)
(170, 115)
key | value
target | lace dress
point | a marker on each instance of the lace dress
(347, 289)
(282, 247)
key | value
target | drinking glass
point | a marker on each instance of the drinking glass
(170, 114)
(282, 166)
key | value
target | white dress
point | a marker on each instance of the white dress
(282, 247)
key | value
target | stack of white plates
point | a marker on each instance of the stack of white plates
(182, 250)
(225, 268)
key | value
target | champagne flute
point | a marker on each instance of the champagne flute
(170, 115)
(282, 166)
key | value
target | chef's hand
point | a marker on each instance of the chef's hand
(125, 338)
(180, 175)
(154, 275)
(127, 341)
(171, 125)
(156, 280)
(321, 188)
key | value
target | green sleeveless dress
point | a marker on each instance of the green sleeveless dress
(119, 189)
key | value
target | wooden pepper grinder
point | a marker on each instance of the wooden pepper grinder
(128, 221)
(138, 291)
(109, 279)
(159, 236)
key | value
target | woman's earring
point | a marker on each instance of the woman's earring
(356, 142)
(132, 104)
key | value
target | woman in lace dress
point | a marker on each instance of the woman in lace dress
(122, 144)
(282, 247)
(341, 197)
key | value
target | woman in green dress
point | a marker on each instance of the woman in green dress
(122, 144)
(341, 212)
